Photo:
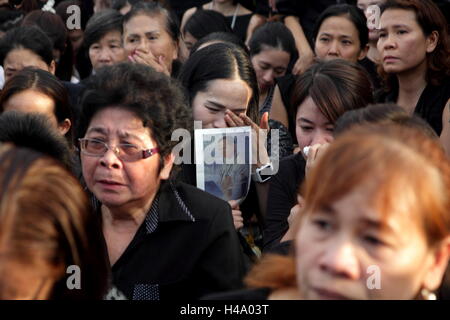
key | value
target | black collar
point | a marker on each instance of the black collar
(171, 204)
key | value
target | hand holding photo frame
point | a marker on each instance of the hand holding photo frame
(223, 160)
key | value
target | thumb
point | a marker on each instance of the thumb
(264, 124)
(233, 204)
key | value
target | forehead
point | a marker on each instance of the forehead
(369, 200)
(143, 23)
(189, 37)
(359, 207)
(309, 110)
(111, 35)
(273, 56)
(340, 25)
(25, 57)
(392, 17)
(115, 120)
(229, 92)
(30, 101)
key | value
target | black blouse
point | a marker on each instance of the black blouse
(431, 103)
(187, 247)
(282, 197)
(240, 25)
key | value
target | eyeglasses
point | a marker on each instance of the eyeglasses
(124, 151)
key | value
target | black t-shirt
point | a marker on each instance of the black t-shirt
(282, 197)
(186, 248)
(240, 25)
(307, 10)
(431, 103)
(371, 69)
(285, 85)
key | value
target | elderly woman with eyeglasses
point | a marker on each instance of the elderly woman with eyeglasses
(164, 239)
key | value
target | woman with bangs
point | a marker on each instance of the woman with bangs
(32, 90)
(347, 87)
(378, 228)
(340, 32)
(375, 229)
(26, 46)
(414, 46)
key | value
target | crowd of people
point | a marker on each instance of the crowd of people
(354, 202)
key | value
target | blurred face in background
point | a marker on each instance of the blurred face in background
(189, 40)
(270, 63)
(402, 44)
(364, 5)
(76, 39)
(32, 101)
(17, 59)
(149, 34)
(108, 50)
(338, 38)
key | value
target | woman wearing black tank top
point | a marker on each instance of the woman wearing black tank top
(237, 15)
(414, 46)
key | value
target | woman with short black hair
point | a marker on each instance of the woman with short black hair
(165, 240)
(415, 61)
(26, 46)
(103, 38)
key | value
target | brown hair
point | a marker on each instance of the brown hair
(273, 271)
(430, 18)
(409, 170)
(44, 82)
(46, 226)
(51, 24)
(335, 86)
(391, 156)
(382, 113)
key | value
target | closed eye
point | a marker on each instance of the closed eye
(372, 240)
(212, 109)
(321, 224)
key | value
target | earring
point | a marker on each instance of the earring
(427, 294)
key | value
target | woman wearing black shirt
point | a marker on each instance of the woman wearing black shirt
(414, 48)
(348, 87)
